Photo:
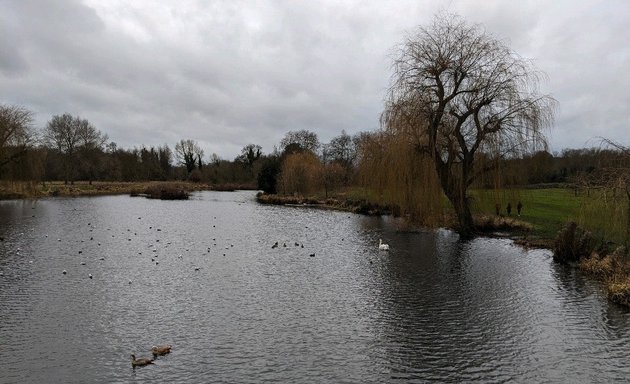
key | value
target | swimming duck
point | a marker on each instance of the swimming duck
(159, 350)
(382, 246)
(140, 361)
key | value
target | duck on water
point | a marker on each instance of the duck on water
(141, 361)
(160, 350)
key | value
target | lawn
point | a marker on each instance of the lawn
(547, 209)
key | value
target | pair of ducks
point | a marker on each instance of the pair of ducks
(157, 350)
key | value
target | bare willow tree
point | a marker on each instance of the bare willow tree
(399, 175)
(463, 92)
(300, 173)
(16, 135)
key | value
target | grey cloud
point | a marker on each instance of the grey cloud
(232, 73)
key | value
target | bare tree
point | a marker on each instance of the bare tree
(189, 153)
(249, 154)
(459, 91)
(16, 135)
(77, 141)
(300, 140)
(342, 150)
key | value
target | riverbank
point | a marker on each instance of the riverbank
(521, 231)
(360, 206)
(33, 190)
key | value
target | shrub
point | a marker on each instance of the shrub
(619, 292)
(572, 243)
(166, 191)
(195, 176)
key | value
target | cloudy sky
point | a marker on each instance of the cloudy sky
(229, 73)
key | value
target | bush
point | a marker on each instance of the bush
(268, 176)
(195, 176)
(619, 292)
(166, 192)
(572, 243)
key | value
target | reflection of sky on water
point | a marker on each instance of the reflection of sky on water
(433, 307)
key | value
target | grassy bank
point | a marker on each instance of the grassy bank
(29, 190)
(544, 212)
(339, 203)
(602, 212)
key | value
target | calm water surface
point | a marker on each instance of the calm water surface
(202, 275)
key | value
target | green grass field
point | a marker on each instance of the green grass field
(549, 209)
(546, 209)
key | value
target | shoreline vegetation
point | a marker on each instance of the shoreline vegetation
(167, 190)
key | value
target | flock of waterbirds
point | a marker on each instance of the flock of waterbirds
(154, 258)
(154, 251)
(154, 254)
(161, 350)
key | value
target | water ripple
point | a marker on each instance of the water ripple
(202, 275)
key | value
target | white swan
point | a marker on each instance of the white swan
(382, 246)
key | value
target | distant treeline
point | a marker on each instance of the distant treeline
(70, 149)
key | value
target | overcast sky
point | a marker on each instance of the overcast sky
(230, 73)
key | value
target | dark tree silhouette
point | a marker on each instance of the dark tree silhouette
(189, 153)
(76, 140)
(16, 135)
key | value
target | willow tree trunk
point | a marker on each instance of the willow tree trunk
(455, 190)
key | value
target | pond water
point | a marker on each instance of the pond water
(202, 275)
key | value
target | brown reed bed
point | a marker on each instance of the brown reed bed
(576, 245)
(488, 223)
(349, 205)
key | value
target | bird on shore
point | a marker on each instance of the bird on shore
(139, 362)
(382, 246)
(160, 350)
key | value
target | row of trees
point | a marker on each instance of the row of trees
(71, 148)
(386, 162)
